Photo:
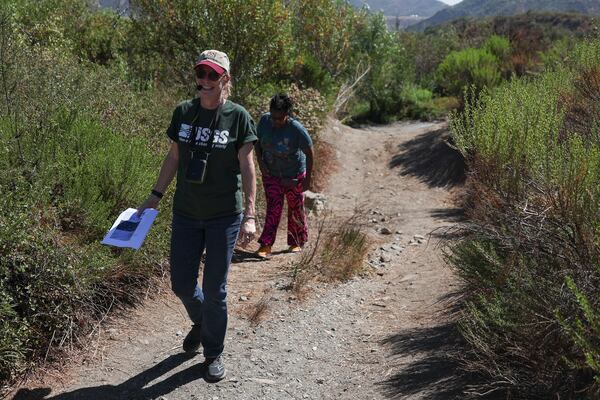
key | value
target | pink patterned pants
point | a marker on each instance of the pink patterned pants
(297, 226)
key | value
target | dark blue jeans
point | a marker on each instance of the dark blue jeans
(207, 306)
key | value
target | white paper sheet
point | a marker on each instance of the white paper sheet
(129, 230)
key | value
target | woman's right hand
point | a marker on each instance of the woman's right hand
(247, 232)
(151, 202)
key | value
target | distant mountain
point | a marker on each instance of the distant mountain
(398, 23)
(484, 8)
(392, 8)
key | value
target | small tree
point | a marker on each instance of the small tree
(390, 69)
(325, 30)
(167, 36)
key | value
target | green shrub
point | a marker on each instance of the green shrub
(98, 174)
(416, 94)
(309, 72)
(584, 330)
(470, 67)
(101, 37)
(505, 128)
(36, 282)
(534, 152)
(49, 23)
(499, 47)
(475, 68)
(556, 55)
(166, 37)
(79, 145)
(418, 103)
(390, 70)
(327, 32)
(427, 51)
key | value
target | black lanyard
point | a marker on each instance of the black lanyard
(211, 127)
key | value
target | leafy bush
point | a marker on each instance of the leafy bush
(499, 47)
(166, 37)
(100, 37)
(325, 32)
(584, 330)
(470, 67)
(37, 285)
(309, 73)
(420, 104)
(390, 70)
(48, 23)
(70, 165)
(531, 258)
(428, 51)
(556, 55)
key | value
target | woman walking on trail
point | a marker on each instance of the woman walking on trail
(212, 155)
(285, 158)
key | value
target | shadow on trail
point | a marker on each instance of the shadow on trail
(133, 388)
(434, 374)
(242, 256)
(430, 158)
(453, 214)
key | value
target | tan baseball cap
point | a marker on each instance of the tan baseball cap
(215, 59)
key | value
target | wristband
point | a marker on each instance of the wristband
(156, 193)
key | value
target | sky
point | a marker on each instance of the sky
(451, 2)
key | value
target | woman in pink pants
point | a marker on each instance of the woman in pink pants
(285, 159)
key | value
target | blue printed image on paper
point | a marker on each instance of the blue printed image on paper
(124, 231)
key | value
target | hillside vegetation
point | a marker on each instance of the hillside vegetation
(485, 8)
(535, 40)
(530, 254)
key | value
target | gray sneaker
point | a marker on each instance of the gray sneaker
(192, 342)
(215, 370)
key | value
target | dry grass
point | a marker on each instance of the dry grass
(257, 312)
(336, 255)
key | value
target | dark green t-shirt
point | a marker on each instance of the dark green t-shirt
(221, 192)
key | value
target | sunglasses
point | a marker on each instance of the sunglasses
(211, 75)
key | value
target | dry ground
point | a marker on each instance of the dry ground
(382, 335)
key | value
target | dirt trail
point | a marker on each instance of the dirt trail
(381, 336)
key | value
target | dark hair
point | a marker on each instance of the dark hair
(281, 102)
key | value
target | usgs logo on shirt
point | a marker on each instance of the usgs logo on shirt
(220, 140)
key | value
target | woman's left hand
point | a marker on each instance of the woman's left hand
(247, 232)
